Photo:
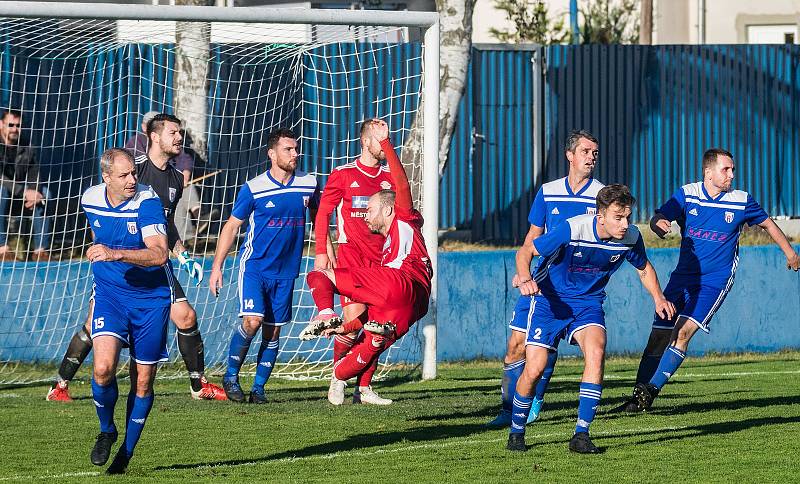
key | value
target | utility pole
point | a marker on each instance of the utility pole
(646, 23)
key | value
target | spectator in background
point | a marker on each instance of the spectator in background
(189, 220)
(21, 192)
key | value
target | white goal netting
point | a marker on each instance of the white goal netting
(83, 85)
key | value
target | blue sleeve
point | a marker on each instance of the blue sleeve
(549, 243)
(313, 202)
(151, 219)
(243, 206)
(538, 214)
(753, 213)
(637, 256)
(674, 207)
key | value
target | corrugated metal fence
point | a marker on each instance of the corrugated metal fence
(655, 109)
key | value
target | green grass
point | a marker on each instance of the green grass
(721, 419)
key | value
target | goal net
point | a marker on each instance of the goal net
(83, 85)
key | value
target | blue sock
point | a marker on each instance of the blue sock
(544, 381)
(105, 398)
(588, 400)
(667, 367)
(240, 345)
(139, 412)
(519, 413)
(129, 407)
(647, 368)
(267, 354)
(511, 374)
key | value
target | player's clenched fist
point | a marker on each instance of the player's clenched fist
(100, 253)
(380, 130)
(527, 287)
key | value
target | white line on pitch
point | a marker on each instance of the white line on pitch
(51, 476)
(698, 376)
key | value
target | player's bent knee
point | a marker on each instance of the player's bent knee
(251, 324)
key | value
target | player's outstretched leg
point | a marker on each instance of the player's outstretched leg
(190, 345)
(651, 356)
(79, 348)
(511, 373)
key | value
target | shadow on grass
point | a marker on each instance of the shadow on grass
(355, 442)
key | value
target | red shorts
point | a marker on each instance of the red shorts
(349, 257)
(389, 294)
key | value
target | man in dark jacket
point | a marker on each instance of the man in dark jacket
(21, 192)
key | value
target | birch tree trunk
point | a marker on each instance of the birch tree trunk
(455, 19)
(192, 46)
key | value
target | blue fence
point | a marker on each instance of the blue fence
(760, 313)
(655, 109)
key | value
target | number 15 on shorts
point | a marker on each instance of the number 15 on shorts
(98, 323)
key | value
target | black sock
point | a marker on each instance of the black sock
(190, 344)
(79, 347)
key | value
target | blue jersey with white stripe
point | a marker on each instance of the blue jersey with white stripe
(710, 228)
(276, 218)
(577, 264)
(555, 202)
(125, 227)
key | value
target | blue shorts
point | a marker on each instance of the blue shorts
(693, 301)
(521, 317)
(553, 322)
(268, 298)
(143, 330)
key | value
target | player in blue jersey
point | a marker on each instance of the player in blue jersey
(578, 258)
(274, 206)
(555, 202)
(133, 292)
(711, 216)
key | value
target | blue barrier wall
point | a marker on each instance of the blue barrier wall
(761, 313)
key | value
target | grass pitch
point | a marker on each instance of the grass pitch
(721, 419)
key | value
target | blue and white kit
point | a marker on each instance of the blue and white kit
(270, 256)
(709, 254)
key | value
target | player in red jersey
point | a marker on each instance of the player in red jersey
(396, 292)
(347, 192)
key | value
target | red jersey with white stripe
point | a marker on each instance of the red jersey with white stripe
(404, 248)
(347, 191)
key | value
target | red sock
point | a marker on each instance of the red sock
(357, 360)
(365, 378)
(322, 290)
(341, 345)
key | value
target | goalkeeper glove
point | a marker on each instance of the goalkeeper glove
(191, 266)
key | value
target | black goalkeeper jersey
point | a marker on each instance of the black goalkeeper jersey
(168, 185)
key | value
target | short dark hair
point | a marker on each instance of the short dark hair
(575, 136)
(710, 157)
(366, 125)
(156, 125)
(614, 193)
(275, 136)
(14, 112)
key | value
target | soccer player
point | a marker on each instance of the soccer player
(274, 204)
(347, 191)
(132, 283)
(396, 293)
(554, 203)
(711, 216)
(154, 169)
(578, 258)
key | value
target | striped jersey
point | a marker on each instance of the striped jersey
(276, 219)
(710, 227)
(577, 264)
(556, 202)
(125, 227)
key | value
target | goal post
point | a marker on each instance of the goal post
(117, 122)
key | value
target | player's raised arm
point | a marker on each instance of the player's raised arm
(325, 257)
(399, 177)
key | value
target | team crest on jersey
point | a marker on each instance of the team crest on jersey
(132, 228)
(172, 193)
(386, 185)
(615, 258)
(729, 217)
(591, 210)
